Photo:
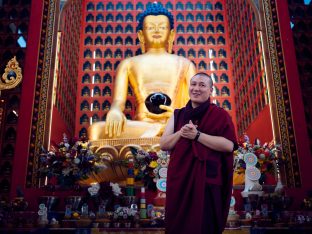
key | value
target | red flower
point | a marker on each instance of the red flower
(267, 153)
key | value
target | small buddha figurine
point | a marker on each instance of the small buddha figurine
(156, 70)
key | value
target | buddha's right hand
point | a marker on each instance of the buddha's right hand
(115, 122)
(165, 115)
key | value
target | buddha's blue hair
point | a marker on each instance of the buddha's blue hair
(155, 8)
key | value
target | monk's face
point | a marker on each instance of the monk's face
(156, 31)
(200, 89)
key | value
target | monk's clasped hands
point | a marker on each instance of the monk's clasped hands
(189, 130)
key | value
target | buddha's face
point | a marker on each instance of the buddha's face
(156, 31)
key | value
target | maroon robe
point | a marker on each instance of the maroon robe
(199, 182)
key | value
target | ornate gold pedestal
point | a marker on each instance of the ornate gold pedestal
(112, 152)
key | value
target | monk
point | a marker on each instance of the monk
(156, 70)
(201, 138)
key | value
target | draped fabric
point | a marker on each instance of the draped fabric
(199, 182)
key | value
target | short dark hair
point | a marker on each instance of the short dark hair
(205, 75)
(155, 8)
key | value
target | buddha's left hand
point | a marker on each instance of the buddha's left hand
(166, 115)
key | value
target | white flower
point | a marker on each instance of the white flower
(240, 156)
(116, 189)
(140, 156)
(76, 160)
(132, 212)
(162, 154)
(66, 171)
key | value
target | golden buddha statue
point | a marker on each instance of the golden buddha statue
(156, 70)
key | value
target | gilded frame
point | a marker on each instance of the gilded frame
(280, 105)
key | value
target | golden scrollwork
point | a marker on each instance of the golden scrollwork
(114, 151)
(12, 75)
(292, 170)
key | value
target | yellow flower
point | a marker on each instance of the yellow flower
(84, 145)
(153, 164)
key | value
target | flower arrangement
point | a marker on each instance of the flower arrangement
(68, 162)
(267, 155)
(149, 165)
